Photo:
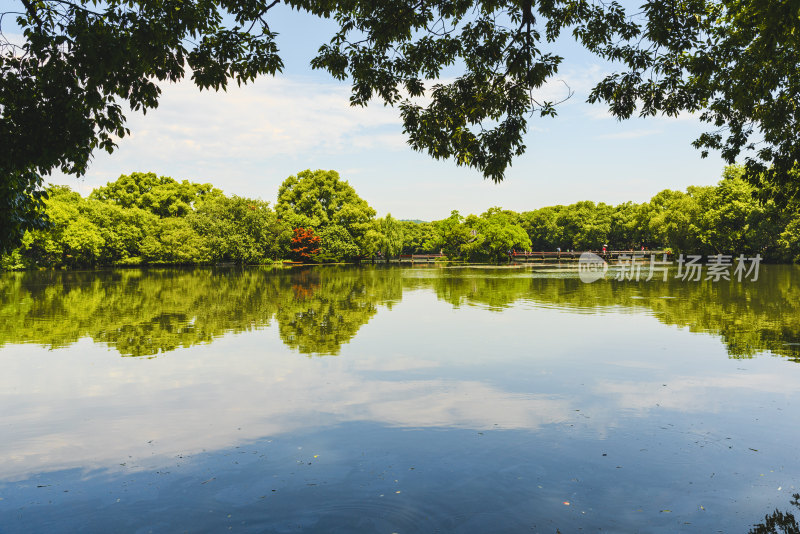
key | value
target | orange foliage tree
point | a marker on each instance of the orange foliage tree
(305, 244)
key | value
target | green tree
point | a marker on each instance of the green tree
(160, 195)
(674, 218)
(146, 218)
(72, 239)
(391, 237)
(63, 89)
(241, 230)
(177, 242)
(730, 216)
(416, 237)
(629, 227)
(122, 230)
(320, 199)
(450, 235)
(542, 228)
(494, 235)
(734, 62)
(789, 241)
(584, 225)
(22, 205)
(337, 244)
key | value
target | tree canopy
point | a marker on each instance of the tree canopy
(144, 219)
(322, 201)
(732, 61)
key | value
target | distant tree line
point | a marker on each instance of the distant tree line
(145, 219)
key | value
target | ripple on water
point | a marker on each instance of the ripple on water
(333, 513)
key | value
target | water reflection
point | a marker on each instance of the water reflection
(750, 317)
(143, 313)
(326, 307)
(463, 400)
(318, 310)
(779, 522)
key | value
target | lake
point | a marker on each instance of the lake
(397, 400)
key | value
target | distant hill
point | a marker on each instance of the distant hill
(417, 221)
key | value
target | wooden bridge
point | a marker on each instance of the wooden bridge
(547, 256)
(420, 258)
(575, 255)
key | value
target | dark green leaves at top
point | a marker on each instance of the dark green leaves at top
(62, 92)
(393, 51)
(734, 63)
(464, 74)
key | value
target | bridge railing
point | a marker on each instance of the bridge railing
(420, 257)
(577, 253)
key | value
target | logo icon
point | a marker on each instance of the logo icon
(591, 267)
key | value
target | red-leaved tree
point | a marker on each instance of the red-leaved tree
(305, 244)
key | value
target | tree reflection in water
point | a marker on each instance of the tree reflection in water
(320, 309)
(779, 522)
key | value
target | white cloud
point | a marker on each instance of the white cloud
(248, 140)
(689, 394)
(273, 116)
(145, 415)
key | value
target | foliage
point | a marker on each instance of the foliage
(130, 222)
(417, 237)
(733, 62)
(391, 237)
(495, 234)
(319, 200)
(585, 225)
(730, 216)
(241, 230)
(628, 226)
(789, 241)
(490, 237)
(727, 218)
(449, 235)
(63, 89)
(160, 195)
(305, 244)
(120, 224)
(673, 218)
(22, 204)
(541, 227)
(338, 244)
(176, 241)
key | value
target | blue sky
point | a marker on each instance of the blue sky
(248, 140)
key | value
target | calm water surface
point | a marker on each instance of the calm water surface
(396, 400)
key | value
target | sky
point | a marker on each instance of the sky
(247, 140)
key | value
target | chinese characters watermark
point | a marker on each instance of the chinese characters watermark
(634, 267)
